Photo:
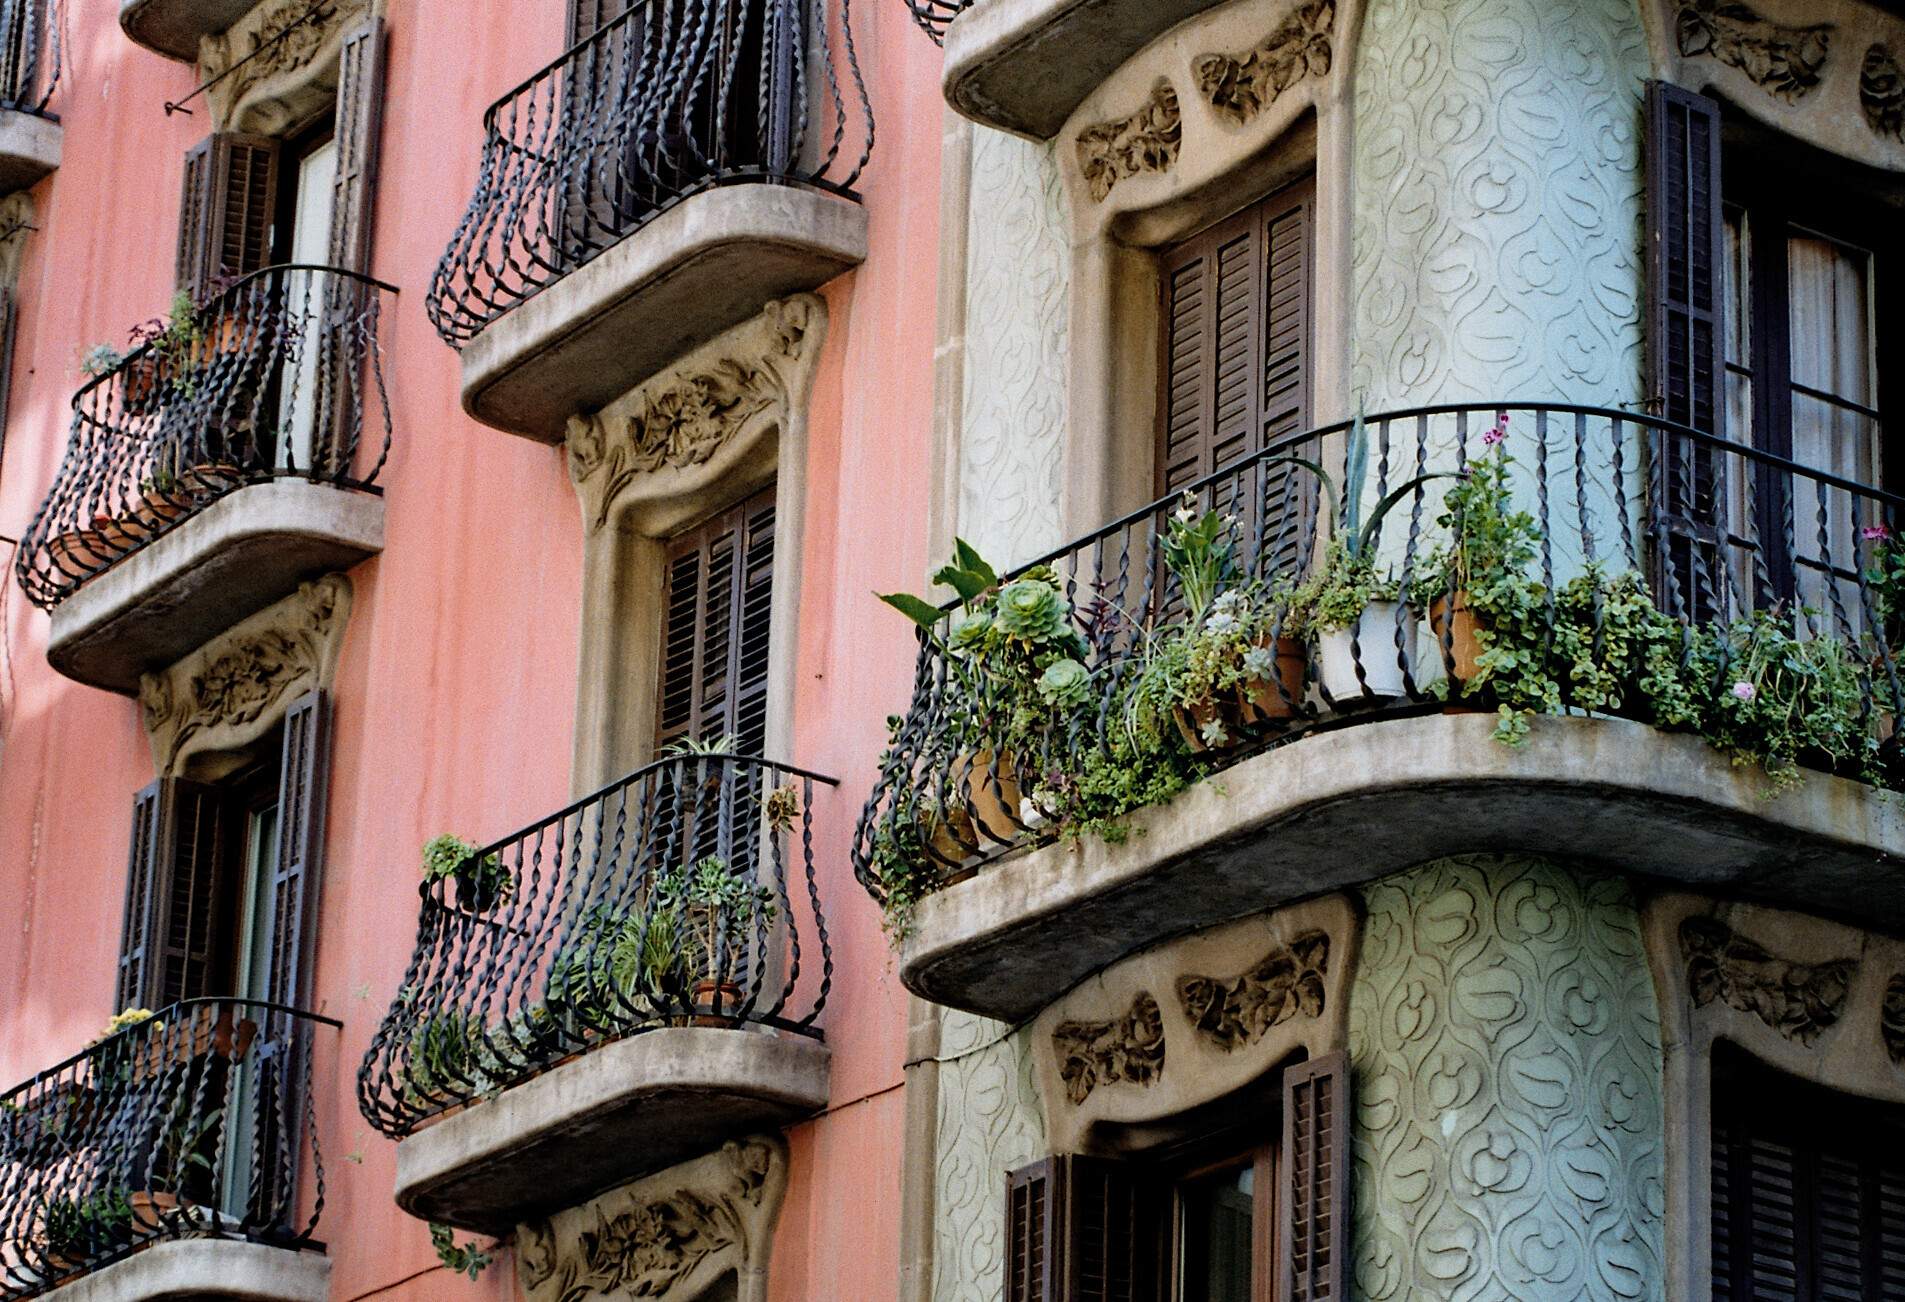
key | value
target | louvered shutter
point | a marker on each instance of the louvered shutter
(177, 920)
(8, 321)
(1686, 369)
(587, 17)
(295, 877)
(1314, 1228)
(1084, 1229)
(720, 590)
(137, 986)
(360, 116)
(230, 197)
(1031, 1232)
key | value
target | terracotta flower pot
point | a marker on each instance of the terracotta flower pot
(1194, 717)
(949, 836)
(80, 551)
(1280, 696)
(151, 1211)
(176, 1046)
(1455, 630)
(722, 996)
(992, 792)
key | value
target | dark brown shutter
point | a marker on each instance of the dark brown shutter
(587, 17)
(1031, 1231)
(136, 986)
(360, 116)
(1314, 1230)
(175, 943)
(1686, 338)
(295, 877)
(1084, 1229)
(714, 661)
(230, 196)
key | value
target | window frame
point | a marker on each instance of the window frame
(1265, 1161)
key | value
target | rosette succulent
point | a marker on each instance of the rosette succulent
(969, 634)
(1031, 611)
(1065, 683)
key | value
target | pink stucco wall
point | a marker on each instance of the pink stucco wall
(456, 690)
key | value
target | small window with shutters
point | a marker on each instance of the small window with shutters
(1808, 1188)
(718, 598)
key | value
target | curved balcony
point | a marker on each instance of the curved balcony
(174, 28)
(1575, 661)
(30, 57)
(626, 984)
(1024, 65)
(662, 181)
(213, 469)
(178, 1157)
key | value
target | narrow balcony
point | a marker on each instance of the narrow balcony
(1024, 65)
(175, 1158)
(1551, 628)
(30, 57)
(662, 181)
(228, 458)
(174, 28)
(627, 984)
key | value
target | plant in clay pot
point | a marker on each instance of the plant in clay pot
(481, 882)
(720, 910)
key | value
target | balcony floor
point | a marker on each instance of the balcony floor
(173, 27)
(206, 1268)
(710, 262)
(29, 149)
(619, 1112)
(1345, 807)
(234, 558)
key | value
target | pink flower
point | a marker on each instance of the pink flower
(1498, 434)
(1875, 533)
(1743, 691)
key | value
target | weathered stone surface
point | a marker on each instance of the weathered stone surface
(29, 149)
(206, 1268)
(615, 1113)
(174, 27)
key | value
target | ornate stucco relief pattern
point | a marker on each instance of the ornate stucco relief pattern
(1146, 141)
(989, 1123)
(1882, 92)
(1235, 1012)
(1506, 1046)
(1128, 1049)
(1799, 1000)
(1781, 60)
(1499, 182)
(1240, 86)
(1018, 332)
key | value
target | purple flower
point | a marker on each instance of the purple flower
(1743, 691)
(1875, 533)
(1497, 434)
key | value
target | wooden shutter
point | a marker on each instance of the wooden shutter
(8, 321)
(715, 639)
(587, 17)
(225, 214)
(176, 936)
(1084, 1229)
(135, 937)
(360, 116)
(1686, 368)
(295, 877)
(1031, 1231)
(1314, 1229)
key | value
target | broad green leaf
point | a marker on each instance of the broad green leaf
(921, 612)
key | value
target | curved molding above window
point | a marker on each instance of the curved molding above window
(294, 72)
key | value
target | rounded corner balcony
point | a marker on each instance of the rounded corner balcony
(174, 28)
(624, 985)
(1556, 628)
(220, 464)
(662, 181)
(176, 1158)
(1024, 65)
(30, 55)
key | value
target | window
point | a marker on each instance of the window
(718, 601)
(1266, 1223)
(1808, 1189)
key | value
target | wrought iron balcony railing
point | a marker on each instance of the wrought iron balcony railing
(195, 1124)
(935, 16)
(672, 98)
(1627, 566)
(682, 895)
(29, 54)
(279, 377)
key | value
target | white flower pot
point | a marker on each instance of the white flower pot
(1375, 635)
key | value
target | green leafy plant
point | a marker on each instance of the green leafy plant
(481, 883)
(697, 746)
(90, 1225)
(718, 906)
(446, 1059)
(618, 964)
(462, 1259)
(1785, 700)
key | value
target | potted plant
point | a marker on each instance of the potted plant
(75, 1230)
(482, 882)
(618, 966)
(1481, 577)
(718, 906)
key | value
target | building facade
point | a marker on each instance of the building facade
(1393, 794)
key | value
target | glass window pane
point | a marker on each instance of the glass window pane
(1218, 1219)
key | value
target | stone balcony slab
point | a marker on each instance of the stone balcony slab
(1024, 65)
(605, 1118)
(710, 262)
(173, 27)
(206, 1268)
(29, 149)
(230, 560)
(1340, 808)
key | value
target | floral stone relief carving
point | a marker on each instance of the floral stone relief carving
(236, 687)
(1127, 1049)
(1240, 86)
(669, 1235)
(1799, 1000)
(1288, 982)
(1146, 141)
(273, 53)
(1505, 1039)
(742, 383)
(1882, 92)
(1892, 1019)
(1784, 61)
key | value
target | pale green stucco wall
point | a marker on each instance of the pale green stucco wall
(1505, 1041)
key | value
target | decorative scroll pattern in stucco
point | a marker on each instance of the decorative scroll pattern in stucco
(1799, 1000)
(1496, 236)
(1240, 86)
(235, 688)
(1882, 92)
(1506, 1049)
(705, 410)
(1288, 982)
(278, 67)
(988, 1125)
(1781, 60)
(1146, 141)
(1128, 1049)
(669, 1236)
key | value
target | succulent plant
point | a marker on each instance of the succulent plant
(1065, 682)
(1031, 611)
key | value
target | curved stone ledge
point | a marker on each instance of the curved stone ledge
(710, 262)
(1024, 65)
(614, 1114)
(29, 149)
(1337, 809)
(173, 27)
(231, 560)
(206, 1268)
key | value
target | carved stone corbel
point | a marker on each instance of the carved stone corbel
(235, 688)
(671, 1235)
(1146, 141)
(281, 67)
(1240, 86)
